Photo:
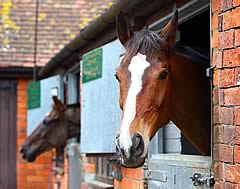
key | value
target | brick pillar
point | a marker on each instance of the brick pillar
(29, 175)
(88, 169)
(226, 92)
(132, 178)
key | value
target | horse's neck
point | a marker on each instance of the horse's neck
(191, 98)
(73, 119)
(73, 115)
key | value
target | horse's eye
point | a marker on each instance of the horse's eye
(163, 75)
(44, 122)
(116, 76)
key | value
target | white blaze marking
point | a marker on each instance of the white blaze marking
(137, 66)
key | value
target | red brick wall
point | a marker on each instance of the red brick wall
(88, 170)
(29, 175)
(226, 92)
(33, 175)
(132, 178)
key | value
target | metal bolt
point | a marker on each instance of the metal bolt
(238, 79)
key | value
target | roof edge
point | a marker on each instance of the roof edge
(95, 30)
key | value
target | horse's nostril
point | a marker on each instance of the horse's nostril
(122, 151)
(138, 144)
(136, 141)
(22, 149)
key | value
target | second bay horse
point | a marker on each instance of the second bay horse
(59, 125)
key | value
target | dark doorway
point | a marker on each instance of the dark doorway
(8, 134)
(195, 33)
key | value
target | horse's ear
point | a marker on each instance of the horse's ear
(124, 31)
(58, 104)
(170, 31)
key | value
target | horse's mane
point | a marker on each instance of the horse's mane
(146, 42)
(194, 55)
(75, 105)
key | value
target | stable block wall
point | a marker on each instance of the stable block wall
(32, 175)
(132, 178)
(88, 170)
(29, 175)
(226, 93)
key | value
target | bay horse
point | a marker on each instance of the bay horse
(59, 125)
(160, 80)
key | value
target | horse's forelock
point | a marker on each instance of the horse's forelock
(145, 42)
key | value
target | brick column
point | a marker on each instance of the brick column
(132, 178)
(88, 169)
(226, 92)
(29, 175)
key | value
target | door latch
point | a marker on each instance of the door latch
(199, 180)
(209, 72)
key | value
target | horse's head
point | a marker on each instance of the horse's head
(145, 84)
(50, 133)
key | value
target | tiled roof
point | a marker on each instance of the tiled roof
(59, 22)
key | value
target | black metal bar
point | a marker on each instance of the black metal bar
(35, 42)
(16, 72)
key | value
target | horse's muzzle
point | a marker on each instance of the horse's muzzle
(133, 159)
(27, 153)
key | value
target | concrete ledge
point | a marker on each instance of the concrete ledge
(99, 185)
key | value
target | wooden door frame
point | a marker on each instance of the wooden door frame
(10, 147)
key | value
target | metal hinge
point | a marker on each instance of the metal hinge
(155, 175)
(145, 174)
(209, 72)
(199, 180)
